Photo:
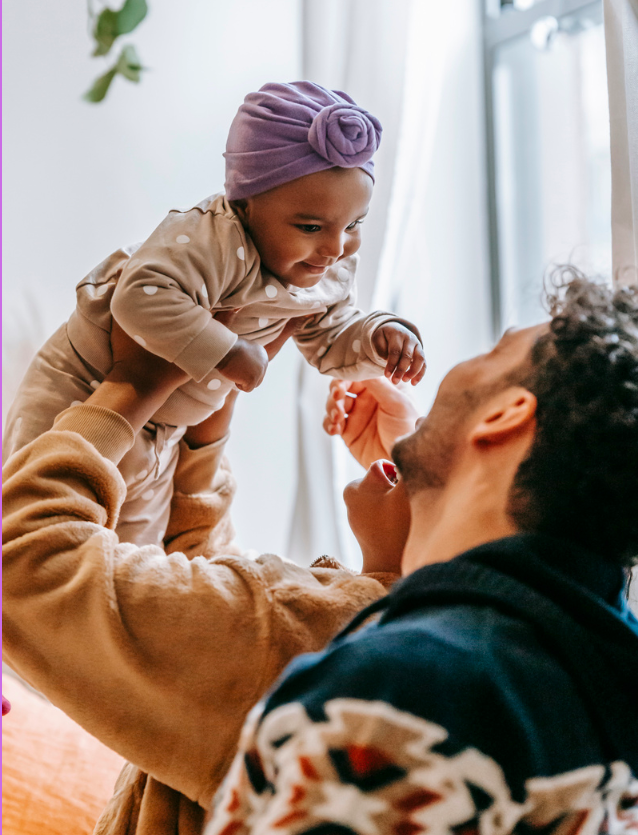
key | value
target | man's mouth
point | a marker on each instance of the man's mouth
(390, 472)
(386, 471)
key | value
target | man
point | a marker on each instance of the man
(498, 690)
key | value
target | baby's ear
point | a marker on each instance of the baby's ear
(240, 207)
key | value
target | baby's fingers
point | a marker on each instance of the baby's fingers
(416, 371)
(395, 341)
(403, 368)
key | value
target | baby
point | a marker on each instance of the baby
(215, 283)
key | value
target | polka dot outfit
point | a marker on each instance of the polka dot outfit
(166, 294)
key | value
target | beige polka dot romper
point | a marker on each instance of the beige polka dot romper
(166, 293)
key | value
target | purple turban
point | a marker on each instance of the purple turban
(285, 131)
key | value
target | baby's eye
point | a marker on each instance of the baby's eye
(354, 224)
(308, 227)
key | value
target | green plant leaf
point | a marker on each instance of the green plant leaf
(131, 15)
(128, 64)
(105, 31)
(110, 24)
(100, 87)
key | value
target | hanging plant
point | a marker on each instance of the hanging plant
(106, 28)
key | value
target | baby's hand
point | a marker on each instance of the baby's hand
(403, 352)
(245, 364)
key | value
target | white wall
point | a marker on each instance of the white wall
(81, 180)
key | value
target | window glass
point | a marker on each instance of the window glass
(552, 157)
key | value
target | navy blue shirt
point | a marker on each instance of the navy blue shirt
(496, 692)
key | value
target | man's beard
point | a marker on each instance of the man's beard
(425, 458)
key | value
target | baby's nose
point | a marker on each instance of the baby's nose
(332, 246)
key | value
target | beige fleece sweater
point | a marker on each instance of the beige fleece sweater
(160, 655)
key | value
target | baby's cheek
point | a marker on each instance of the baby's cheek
(352, 246)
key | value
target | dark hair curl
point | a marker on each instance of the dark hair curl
(580, 477)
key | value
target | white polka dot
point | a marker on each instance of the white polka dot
(150, 289)
(141, 475)
(102, 289)
(322, 350)
(148, 495)
(134, 263)
(343, 273)
(241, 253)
(213, 385)
(183, 239)
(204, 291)
(140, 341)
(356, 345)
(270, 290)
(263, 322)
(94, 384)
(77, 403)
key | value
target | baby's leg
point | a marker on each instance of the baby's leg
(55, 380)
(58, 378)
(148, 469)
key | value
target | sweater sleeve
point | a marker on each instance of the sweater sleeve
(160, 656)
(164, 296)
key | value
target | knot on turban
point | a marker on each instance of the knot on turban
(345, 135)
(285, 131)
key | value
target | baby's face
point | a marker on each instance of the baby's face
(305, 226)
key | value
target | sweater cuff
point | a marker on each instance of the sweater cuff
(110, 433)
(196, 468)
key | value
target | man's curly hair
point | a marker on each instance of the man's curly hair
(580, 477)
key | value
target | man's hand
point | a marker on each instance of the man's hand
(403, 352)
(369, 416)
(145, 372)
(138, 383)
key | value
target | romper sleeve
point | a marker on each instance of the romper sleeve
(164, 296)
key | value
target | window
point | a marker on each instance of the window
(548, 147)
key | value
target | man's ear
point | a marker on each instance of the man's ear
(241, 208)
(509, 412)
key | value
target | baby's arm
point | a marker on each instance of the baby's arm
(164, 296)
(343, 342)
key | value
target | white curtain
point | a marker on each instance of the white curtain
(358, 46)
(417, 66)
(621, 33)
